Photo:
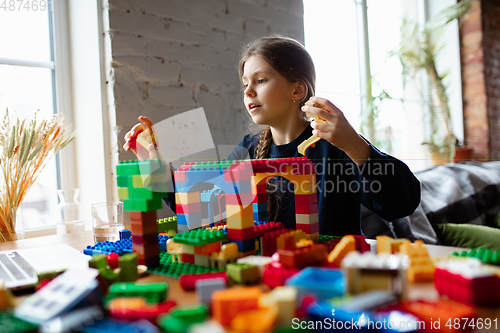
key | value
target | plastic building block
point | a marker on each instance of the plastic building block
(302, 257)
(277, 276)
(11, 324)
(131, 308)
(243, 273)
(176, 269)
(467, 282)
(260, 320)
(205, 288)
(346, 245)
(261, 262)
(180, 319)
(65, 292)
(361, 244)
(368, 271)
(488, 256)
(228, 253)
(166, 224)
(386, 244)
(421, 267)
(226, 304)
(324, 283)
(283, 299)
(200, 237)
(125, 233)
(112, 260)
(153, 292)
(188, 281)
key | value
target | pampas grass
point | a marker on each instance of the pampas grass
(25, 148)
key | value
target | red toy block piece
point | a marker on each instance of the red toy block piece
(361, 244)
(113, 260)
(180, 176)
(308, 228)
(240, 234)
(306, 199)
(239, 198)
(187, 258)
(302, 257)
(188, 282)
(132, 308)
(276, 276)
(306, 209)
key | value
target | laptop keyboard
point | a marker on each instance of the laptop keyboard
(14, 269)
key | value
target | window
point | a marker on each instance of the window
(346, 59)
(28, 84)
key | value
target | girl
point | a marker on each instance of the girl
(278, 78)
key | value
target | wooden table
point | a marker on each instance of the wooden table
(80, 241)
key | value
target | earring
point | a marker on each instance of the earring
(294, 100)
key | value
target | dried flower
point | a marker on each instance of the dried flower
(26, 149)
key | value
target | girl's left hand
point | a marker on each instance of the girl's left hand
(337, 130)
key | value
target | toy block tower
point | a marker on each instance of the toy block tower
(141, 186)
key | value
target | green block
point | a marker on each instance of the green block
(99, 262)
(153, 167)
(144, 193)
(488, 256)
(142, 205)
(176, 269)
(127, 168)
(200, 237)
(154, 293)
(182, 317)
(122, 181)
(243, 273)
(128, 267)
(166, 224)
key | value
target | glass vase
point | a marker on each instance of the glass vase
(69, 212)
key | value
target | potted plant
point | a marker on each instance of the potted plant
(417, 51)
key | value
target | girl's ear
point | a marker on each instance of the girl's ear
(300, 91)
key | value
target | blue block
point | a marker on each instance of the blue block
(125, 233)
(325, 283)
(245, 245)
(260, 207)
(191, 220)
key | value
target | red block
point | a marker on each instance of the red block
(306, 199)
(187, 258)
(308, 228)
(239, 198)
(306, 209)
(240, 234)
(180, 176)
(148, 311)
(188, 281)
(302, 257)
(361, 244)
(144, 240)
(276, 277)
(113, 260)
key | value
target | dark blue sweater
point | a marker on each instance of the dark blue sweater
(384, 184)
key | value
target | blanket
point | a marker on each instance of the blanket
(452, 193)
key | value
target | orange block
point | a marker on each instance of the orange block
(386, 244)
(228, 303)
(261, 320)
(207, 250)
(346, 245)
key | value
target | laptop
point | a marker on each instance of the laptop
(24, 267)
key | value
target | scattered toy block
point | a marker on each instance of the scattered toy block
(346, 245)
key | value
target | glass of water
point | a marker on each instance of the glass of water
(107, 221)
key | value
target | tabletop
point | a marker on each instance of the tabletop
(80, 240)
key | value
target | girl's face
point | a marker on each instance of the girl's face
(268, 96)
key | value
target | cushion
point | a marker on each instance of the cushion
(468, 235)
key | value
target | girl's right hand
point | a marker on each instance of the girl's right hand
(131, 139)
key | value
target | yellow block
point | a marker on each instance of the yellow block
(236, 222)
(386, 244)
(139, 181)
(253, 321)
(346, 245)
(283, 299)
(187, 198)
(239, 211)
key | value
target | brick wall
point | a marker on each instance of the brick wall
(172, 56)
(480, 57)
(491, 45)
